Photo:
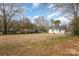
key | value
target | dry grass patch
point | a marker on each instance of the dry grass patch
(39, 44)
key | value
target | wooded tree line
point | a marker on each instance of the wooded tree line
(8, 11)
(24, 25)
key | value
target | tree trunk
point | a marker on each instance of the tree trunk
(5, 29)
(4, 21)
(5, 26)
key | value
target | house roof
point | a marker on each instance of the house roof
(58, 27)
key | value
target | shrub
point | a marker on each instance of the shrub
(76, 31)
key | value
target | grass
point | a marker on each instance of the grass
(39, 44)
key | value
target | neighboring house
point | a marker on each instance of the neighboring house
(57, 29)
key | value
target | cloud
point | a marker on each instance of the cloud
(53, 14)
(49, 16)
(35, 17)
(35, 5)
(63, 20)
(25, 9)
(50, 6)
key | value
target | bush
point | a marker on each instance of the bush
(76, 31)
(12, 31)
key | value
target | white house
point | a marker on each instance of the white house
(57, 29)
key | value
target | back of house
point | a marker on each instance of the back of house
(57, 29)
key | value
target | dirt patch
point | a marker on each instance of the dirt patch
(72, 51)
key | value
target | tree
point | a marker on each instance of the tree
(12, 27)
(7, 12)
(1, 25)
(42, 23)
(68, 8)
(40, 20)
(34, 28)
(52, 21)
(57, 22)
(75, 25)
(25, 23)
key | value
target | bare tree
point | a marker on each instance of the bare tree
(40, 20)
(42, 23)
(25, 23)
(7, 12)
(1, 25)
(66, 8)
(13, 25)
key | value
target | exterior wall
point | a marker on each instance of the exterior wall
(63, 31)
(50, 31)
(57, 31)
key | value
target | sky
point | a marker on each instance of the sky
(33, 10)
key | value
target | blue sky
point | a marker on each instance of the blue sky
(35, 9)
(38, 9)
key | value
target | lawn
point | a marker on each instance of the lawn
(38, 45)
